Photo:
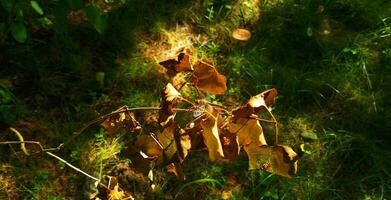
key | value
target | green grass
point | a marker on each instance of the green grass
(329, 59)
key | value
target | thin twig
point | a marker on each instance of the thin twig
(103, 117)
(34, 142)
(22, 142)
(153, 136)
(195, 106)
(275, 123)
(73, 167)
(263, 120)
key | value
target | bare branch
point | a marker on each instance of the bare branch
(73, 167)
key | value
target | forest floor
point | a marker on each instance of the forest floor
(330, 61)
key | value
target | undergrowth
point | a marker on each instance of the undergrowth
(329, 59)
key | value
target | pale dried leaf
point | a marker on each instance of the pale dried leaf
(210, 134)
(116, 193)
(256, 104)
(170, 99)
(183, 142)
(266, 98)
(171, 93)
(249, 131)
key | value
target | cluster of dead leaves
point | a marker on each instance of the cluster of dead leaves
(205, 77)
(223, 133)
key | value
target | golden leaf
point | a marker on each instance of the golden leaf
(211, 137)
(116, 193)
(249, 131)
(170, 98)
(256, 104)
(171, 93)
(266, 98)
(166, 139)
(183, 142)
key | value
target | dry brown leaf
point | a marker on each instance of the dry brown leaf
(256, 104)
(146, 145)
(211, 137)
(170, 99)
(121, 121)
(183, 142)
(166, 139)
(230, 144)
(281, 159)
(109, 188)
(116, 193)
(180, 65)
(266, 98)
(249, 131)
(176, 169)
(148, 149)
(207, 79)
(171, 93)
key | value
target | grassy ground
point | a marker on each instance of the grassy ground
(329, 59)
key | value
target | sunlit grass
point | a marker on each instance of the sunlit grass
(329, 60)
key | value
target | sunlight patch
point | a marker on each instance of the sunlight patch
(169, 43)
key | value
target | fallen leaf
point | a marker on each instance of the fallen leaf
(207, 79)
(148, 146)
(249, 131)
(170, 99)
(180, 65)
(266, 98)
(121, 121)
(183, 142)
(116, 193)
(230, 144)
(171, 93)
(232, 180)
(109, 188)
(256, 104)
(176, 169)
(166, 139)
(280, 159)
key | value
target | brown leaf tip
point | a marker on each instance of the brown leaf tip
(182, 64)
